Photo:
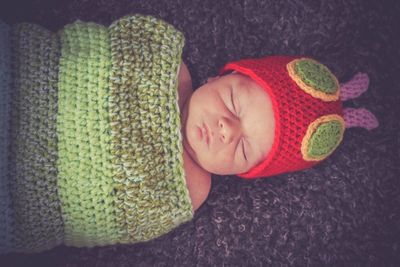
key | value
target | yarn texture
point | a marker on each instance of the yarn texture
(314, 78)
(322, 137)
(33, 151)
(95, 144)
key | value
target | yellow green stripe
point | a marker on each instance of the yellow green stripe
(146, 141)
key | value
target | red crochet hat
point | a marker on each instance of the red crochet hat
(308, 114)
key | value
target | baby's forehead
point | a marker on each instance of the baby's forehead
(234, 75)
(238, 78)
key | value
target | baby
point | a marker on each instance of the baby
(106, 142)
(264, 117)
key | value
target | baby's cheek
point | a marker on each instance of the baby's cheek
(223, 162)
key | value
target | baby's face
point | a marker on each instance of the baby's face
(228, 124)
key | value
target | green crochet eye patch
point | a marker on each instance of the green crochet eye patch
(316, 75)
(314, 78)
(323, 137)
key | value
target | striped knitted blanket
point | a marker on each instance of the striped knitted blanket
(90, 134)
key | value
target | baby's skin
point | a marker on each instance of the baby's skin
(227, 128)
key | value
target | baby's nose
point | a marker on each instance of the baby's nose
(228, 130)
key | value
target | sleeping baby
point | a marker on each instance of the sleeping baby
(105, 142)
(264, 117)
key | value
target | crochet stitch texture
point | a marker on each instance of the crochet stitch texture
(33, 151)
(95, 148)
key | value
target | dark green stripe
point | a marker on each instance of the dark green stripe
(38, 222)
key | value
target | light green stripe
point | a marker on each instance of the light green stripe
(85, 179)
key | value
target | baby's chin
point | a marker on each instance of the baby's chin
(193, 155)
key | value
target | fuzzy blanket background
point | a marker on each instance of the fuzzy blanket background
(344, 212)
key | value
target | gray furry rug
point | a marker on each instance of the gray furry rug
(344, 212)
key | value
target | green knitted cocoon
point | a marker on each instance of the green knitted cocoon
(316, 75)
(96, 154)
(325, 139)
(121, 177)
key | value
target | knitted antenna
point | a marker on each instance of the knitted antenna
(95, 146)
